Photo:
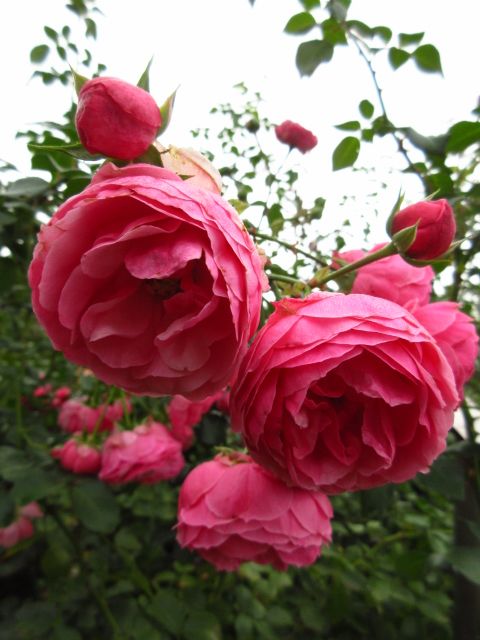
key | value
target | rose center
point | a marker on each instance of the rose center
(163, 289)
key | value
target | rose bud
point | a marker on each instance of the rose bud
(185, 414)
(456, 336)
(343, 392)
(147, 455)
(232, 511)
(435, 231)
(295, 136)
(149, 282)
(192, 166)
(77, 457)
(116, 119)
(391, 278)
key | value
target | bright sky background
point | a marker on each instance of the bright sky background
(206, 46)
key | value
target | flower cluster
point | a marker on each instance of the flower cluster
(149, 278)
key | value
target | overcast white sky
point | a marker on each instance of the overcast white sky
(207, 46)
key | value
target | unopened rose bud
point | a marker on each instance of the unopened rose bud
(191, 165)
(295, 136)
(116, 119)
(436, 228)
(252, 126)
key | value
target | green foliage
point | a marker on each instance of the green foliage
(104, 562)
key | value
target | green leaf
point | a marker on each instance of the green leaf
(361, 28)
(397, 57)
(312, 53)
(78, 80)
(300, 23)
(427, 58)
(13, 463)
(339, 8)
(275, 218)
(384, 33)
(446, 476)
(51, 33)
(346, 153)
(27, 188)
(144, 81)
(366, 108)
(35, 485)
(166, 112)
(151, 156)
(461, 135)
(168, 610)
(310, 4)
(38, 54)
(202, 625)
(466, 560)
(351, 125)
(95, 506)
(333, 32)
(75, 150)
(91, 30)
(410, 38)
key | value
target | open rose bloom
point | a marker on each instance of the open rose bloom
(147, 455)
(341, 393)
(234, 511)
(391, 278)
(151, 283)
(456, 336)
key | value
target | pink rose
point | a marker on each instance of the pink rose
(152, 284)
(147, 455)
(116, 119)
(60, 395)
(75, 416)
(42, 391)
(191, 163)
(392, 278)
(435, 231)
(77, 457)
(456, 336)
(343, 392)
(19, 530)
(234, 511)
(295, 136)
(31, 510)
(185, 414)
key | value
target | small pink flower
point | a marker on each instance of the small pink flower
(19, 530)
(435, 231)
(147, 455)
(343, 392)
(60, 395)
(77, 457)
(75, 416)
(31, 510)
(391, 278)
(42, 391)
(185, 414)
(456, 336)
(295, 136)
(151, 283)
(234, 511)
(116, 119)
